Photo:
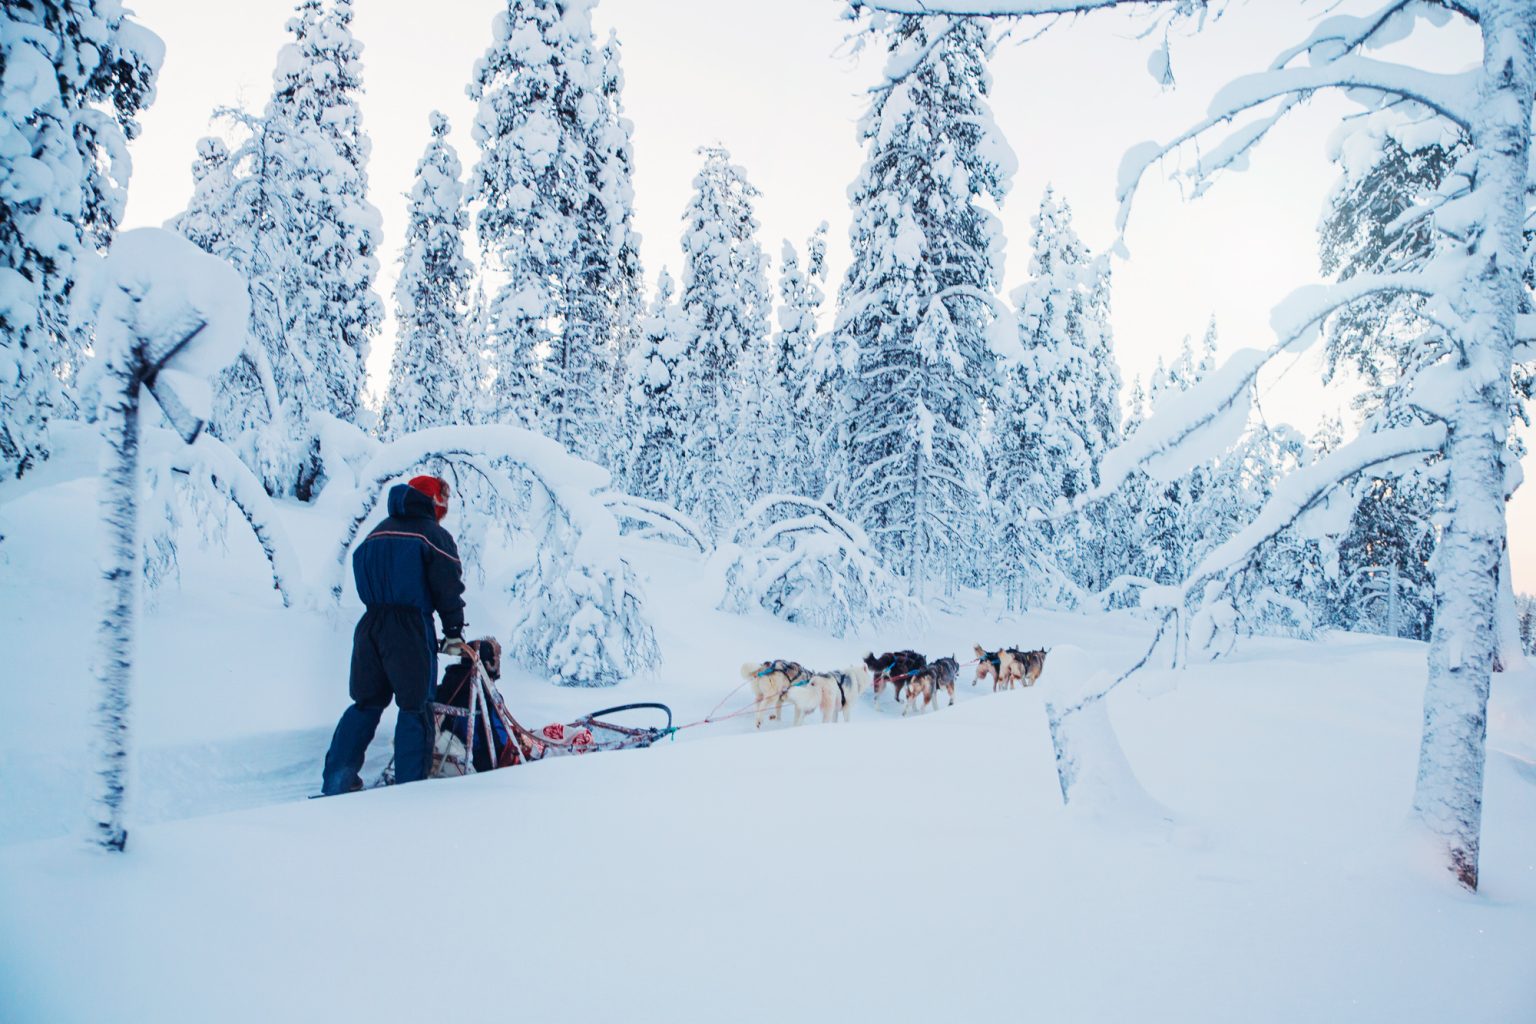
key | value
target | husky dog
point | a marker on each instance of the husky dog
(1034, 664)
(929, 680)
(770, 681)
(1023, 667)
(894, 668)
(988, 665)
(847, 684)
(813, 692)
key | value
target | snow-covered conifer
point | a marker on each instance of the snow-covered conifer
(620, 282)
(552, 195)
(806, 370)
(433, 377)
(917, 304)
(289, 209)
(334, 309)
(654, 410)
(76, 75)
(1059, 409)
(725, 300)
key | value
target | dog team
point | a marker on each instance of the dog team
(780, 682)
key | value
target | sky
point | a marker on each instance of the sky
(777, 83)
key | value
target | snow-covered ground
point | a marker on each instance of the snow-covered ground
(887, 869)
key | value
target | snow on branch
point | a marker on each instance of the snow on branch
(1199, 424)
(210, 458)
(1299, 313)
(579, 605)
(1188, 428)
(1001, 8)
(1525, 337)
(658, 520)
(1453, 97)
(1332, 44)
(805, 563)
(1303, 488)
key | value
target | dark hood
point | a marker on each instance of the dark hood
(406, 502)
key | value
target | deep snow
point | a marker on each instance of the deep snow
(888, 869)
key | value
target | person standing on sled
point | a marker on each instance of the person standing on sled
(406, 569)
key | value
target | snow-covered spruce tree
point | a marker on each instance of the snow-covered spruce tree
(1477, 295)
(74, 76)
(1183, 518)
(806, 370)
(619, 278)
(1285, 588)
(654, 409)
(1525, 609)
(298, 225)
(336, 311)
(477, 327)
(552, 192)
(1059, 409)
(434, 373)
(1384, 559)
(230, 215)
(725, 303)
(918, 302)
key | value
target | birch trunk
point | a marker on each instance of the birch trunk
(1448, 794)
(119, 507)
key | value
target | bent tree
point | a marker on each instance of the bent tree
(1472, 290)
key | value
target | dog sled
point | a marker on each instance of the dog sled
(475, 732)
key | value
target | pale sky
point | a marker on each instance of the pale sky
(774, 82)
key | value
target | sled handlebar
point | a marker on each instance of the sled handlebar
(631, 707)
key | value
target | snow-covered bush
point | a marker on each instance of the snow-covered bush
(807, 564)
(580, 611)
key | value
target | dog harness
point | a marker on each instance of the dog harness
(842, 681)
(789, 668)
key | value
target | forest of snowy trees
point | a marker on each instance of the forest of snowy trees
(905, 436)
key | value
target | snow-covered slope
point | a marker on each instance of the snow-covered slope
(887, 869)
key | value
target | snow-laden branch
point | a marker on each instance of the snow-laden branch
(1188, 426)
(1387, 24)
(1192, 426)
(1303, 488)
(1452, 96)
(1525, 337)
(756, 521)
(999, 8)
(210, 457)
(578, 605)
(660, 519)
(805, 563)
(571, 482)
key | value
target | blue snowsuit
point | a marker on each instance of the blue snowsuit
(406, 569)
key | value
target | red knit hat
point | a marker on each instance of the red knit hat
(435, 488)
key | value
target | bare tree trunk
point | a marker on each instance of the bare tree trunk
(1448, 795)
(119, 507)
